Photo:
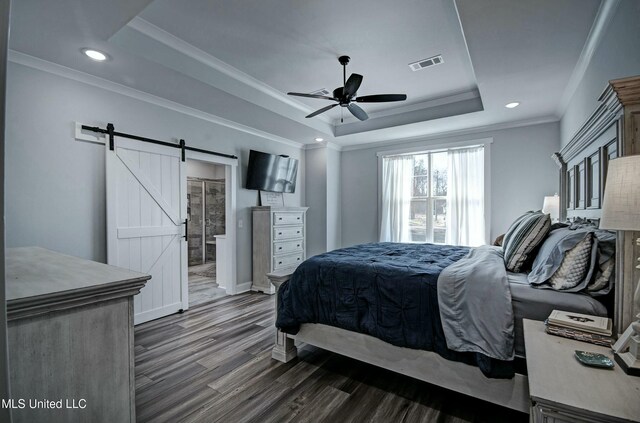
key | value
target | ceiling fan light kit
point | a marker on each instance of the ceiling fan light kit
(345, 96)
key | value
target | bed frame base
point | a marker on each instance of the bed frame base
(423, 365)
(285, 349)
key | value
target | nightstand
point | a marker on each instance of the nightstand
(563, 390)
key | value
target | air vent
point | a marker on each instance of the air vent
(425, 63)
(321, 91)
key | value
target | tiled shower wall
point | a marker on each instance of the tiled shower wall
(194, 212)
(213, 219)
(215, 214)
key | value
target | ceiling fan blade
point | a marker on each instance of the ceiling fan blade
(324, 109)
(357, 111)
(324, 97)
(352, 85)
(381, 98)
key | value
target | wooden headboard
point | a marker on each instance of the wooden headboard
(611, 131)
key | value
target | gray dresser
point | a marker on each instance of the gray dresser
(70, 330)
(279, 235)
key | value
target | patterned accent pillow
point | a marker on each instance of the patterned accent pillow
(525, 234)
(603, 276)
(575, 265)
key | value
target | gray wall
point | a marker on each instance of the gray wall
(334, 199)
(204, 170)
(522, 173)
(323, 197)
(316, 199)
(5, 413)
(56, 185)
(617, 56)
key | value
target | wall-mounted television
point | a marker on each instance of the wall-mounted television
(270, 172)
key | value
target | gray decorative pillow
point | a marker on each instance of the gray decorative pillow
(574, 267)
(523, 237)
(603, 276)
(552, 252)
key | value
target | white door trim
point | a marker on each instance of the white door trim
(231, 184)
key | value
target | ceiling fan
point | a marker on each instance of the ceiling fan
(344, 96)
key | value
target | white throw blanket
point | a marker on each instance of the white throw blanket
(475, 304)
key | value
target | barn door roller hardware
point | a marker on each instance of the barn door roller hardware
(111, 133)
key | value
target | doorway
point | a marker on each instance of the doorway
(206, 215)
(147, 224)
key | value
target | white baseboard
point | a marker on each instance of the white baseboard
(243, 287)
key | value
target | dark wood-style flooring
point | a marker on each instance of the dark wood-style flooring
(202, 284)
(213, 364)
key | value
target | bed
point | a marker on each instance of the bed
(583, 164)
(316, 305)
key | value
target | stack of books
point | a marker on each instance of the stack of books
(582, 327)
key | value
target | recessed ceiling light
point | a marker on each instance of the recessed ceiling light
(319, 139)
(96, 55)
(512, 105)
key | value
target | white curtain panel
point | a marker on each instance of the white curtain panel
(397, 173)
(465, 197)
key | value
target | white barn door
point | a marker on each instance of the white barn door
(146, 211)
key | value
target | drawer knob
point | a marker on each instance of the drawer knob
(298, 245)
(298, 258)
(279, 218)
(279, 262)
(298, 218)
(279, 233)
(279, 248)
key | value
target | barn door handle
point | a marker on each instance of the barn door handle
(186, 230)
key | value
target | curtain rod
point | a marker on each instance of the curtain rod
(110, 131)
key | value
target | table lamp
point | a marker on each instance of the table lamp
(551, 206)
(621, 211)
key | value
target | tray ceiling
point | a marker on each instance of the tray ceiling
(237, 59)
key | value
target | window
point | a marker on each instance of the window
(434, 196)
(428, 214)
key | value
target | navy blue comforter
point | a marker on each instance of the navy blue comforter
(386, 290)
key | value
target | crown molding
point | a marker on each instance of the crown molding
(453, 133)
(85, 78)
(605, 14)
(160, 35)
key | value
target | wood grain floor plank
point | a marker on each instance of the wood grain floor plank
(307, 399)
(320, 407)
(303, 370)
(142, 381)
(166, 392)
(359, 406)
(213, 364)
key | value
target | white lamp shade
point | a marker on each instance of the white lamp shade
(551, 206)
(621, 204)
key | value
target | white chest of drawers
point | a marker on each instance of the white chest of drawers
(279, 235)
